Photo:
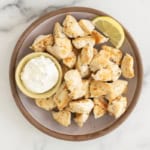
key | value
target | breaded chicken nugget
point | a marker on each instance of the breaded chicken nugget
(61, 98)
(111, 72)
(98, 62)
(117, 89)
(62, 117)
(127, 66)
(86, 54)
(117, 107)
(81, 42)
(74, 84)
(80, 119)
(111, 53)
(73, 79)
(70, 60)
(58, 31)
(99, 38)
(86, 86)
(100, 107)
(62, 47)
(98, 88)
(46, 103)
(71, 27)
(86, 25)
(41, 42)
(81, 106)
(83, 69)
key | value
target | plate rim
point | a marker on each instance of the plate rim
(50, 132)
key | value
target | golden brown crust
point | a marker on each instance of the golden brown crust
(86, 55)
(61, 49)
(111, 53)
(70, 60)
(83, 69)
(62, 117)
(118, 88)
(98, 88)
(71, 27)
(100, 107)
(86, 85)
(99, 38)
(61, 98)
(41, 42)
(81, 42)
(46, 103)
(81, 106)
(58, 31)
(86, 25)
(111, 72)
(98, 62)
(80, 119)
(62, 46)
(127, 66)
(117, 107)
(74, 84)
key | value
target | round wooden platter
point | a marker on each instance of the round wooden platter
(42, 119)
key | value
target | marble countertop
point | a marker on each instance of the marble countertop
(16, 133)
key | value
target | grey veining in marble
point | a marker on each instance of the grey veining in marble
(21, 12)
(18, 134)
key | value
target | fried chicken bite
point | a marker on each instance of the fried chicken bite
(82, 68)
(85, 87)
(117, 107)
(98, 88)
(58, 31)
(62, 47)
(99, 38)
(118, 88)
(70, 60)
(87, 26)
(81, 106)
(62, 117)
(72, 28)
(73, 79)
(61, 98)
(111, 53)
(41, 42)
(127, 66)
(98, 62)
(111, 72)
(100, 107)
(86, 54)
(45, 103)
(74, 84)
(81, 42)
(80, 119)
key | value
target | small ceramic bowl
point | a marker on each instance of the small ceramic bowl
(42, 119)
(20, 84)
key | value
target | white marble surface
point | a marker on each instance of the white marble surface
(16, 133)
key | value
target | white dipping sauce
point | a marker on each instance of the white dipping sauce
(40, 74)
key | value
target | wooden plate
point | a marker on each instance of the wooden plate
(42, 119)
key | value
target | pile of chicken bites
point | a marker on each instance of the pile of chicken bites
(91, 81)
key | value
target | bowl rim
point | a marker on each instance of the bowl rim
(22, 64)
(39, 126)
